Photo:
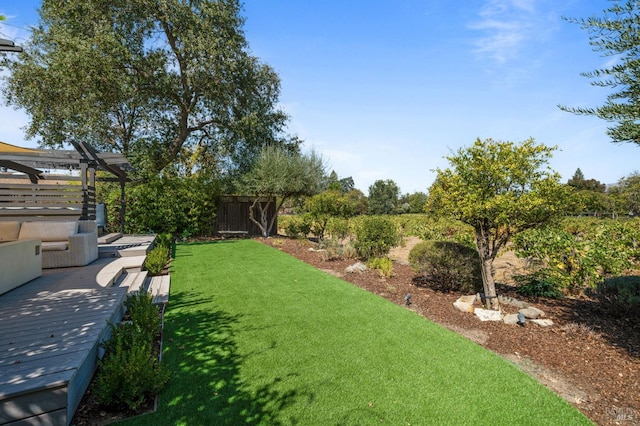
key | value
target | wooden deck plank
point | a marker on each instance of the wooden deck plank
(51, 328)
(15, 409)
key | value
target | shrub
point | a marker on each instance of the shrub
(156, 260)
(143, 313)
(167, 203)
(537, 286)
(573, 262)
(338, 227)
(447, 265)
(164, 240)
(383, 265)
(298, 226)
(129, 372)
(621, 295)
(375, 236)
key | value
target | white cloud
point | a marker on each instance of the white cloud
(507, 27)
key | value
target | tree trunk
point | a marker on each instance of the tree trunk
(262, 224)
(486, 262)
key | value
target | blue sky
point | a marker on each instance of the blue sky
(385, 89)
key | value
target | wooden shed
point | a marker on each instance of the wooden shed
(232, 215)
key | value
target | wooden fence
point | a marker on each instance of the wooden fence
(232, 216)
(20, 201)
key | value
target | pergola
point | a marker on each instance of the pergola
(45, 200)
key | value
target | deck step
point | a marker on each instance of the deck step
(135, 281)
(109, 238)
(158, 286)
(110, 273)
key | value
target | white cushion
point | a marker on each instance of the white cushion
(54, 246)
(48, 231)
(9, 231)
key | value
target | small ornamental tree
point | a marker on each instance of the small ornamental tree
(324, 206)
(500, 189)
(278, 173)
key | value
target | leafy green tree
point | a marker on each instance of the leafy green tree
(280, 174)
(413, 203)
(615, 34)
(324, 206)
(383, 197)
(580, 183)
(332, 181)
(343, 185)
(163, 82)
(358, 200)
(500, 189)
(627, 194)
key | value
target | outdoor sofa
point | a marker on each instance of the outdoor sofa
(64, 243)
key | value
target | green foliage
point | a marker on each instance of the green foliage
(616, 35)
(359, 202)
(383, 265)
(283, 174)
(499, 189)
(447, 266)
(156, 260)
(295, 226)
(327, 205)
(338, 228)
(164, 240)
(413, 203)
(107, 72)
(334, 249)
(581, 184)
(627, 194)
(575, 258)
(143, 313)
(130, 370)
(383, 197)
(183, 206)
(537, 286)
(375, 236)
(621, 295)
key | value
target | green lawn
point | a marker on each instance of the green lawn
(254, 336)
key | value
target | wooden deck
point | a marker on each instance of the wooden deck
(50, 330)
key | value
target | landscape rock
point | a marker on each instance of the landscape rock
(465, 304)
(531, 312)
(488, 315)
(468, 299)
(506, 300)
(358, 267)
(542, 322)
(511, 319)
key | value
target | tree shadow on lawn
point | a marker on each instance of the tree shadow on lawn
(206, 386)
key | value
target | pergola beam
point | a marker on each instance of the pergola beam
(9, 46)
(34, 174)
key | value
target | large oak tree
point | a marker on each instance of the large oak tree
(161, 81)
